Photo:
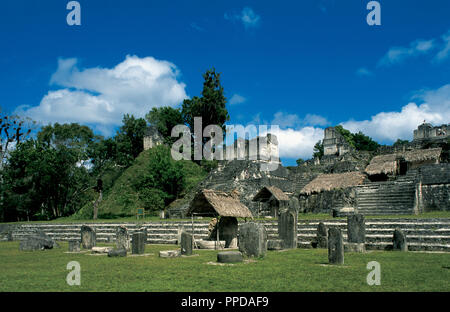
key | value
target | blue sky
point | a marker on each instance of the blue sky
(303, 65)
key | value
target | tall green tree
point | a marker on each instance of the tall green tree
(164, 119)
(44, 181)
(358, 141)
(74, 137)
(130, 139)
(163, 180)
(211, 106)
(318, 149)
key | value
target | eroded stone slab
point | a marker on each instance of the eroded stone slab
(253, 239)
(230, 257)
(335, 246)
(88, 237)
(74, 246)
(356, 228)
(399, 241)
(187, 243)
(170, 253)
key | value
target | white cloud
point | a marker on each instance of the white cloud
(298, 143)
(100, 96)
(247, 16)
(397, 55)
(197, 27)
(390, 126)
(286, 120)
(315, 120)
(363, 72)
(445, 51)
(294, 121)
(237, 99)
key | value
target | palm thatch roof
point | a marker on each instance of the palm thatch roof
(328, 182)
(383, 164)
(388, 164)
(268, 191)
(213, 203)
(423, 154)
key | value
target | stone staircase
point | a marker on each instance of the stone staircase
(422, 234)
(390, 197)
(157, 232)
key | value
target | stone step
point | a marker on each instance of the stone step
(444, 232)
(431, 234)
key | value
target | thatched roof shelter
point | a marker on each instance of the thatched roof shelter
(328, 182)
(388, 164)
(383, 164)
(217, 203)
(268, 191)
(423, 154)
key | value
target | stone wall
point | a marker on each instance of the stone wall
(325, 202)
(433, 189)
(436, 197)
(435, 174)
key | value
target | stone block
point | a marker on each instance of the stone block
(335, 246)
(101, 250)
(170, 253)
(37, 241)
(354, 247)
(88, 237)
(74, 246)
(117, 252)
(322, 236)
(206, 244)
(228, 230)
(122, 238)
(138, 243)
(287, 228)
(229, 257)
(399, 241)
(356, 228)
(253, 239)
(274, 244)
(187, 243)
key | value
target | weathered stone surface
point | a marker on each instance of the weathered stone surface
(117, 252)
(206, 244)
(399, 240)
(122, 238)
(187, 243)
(101, 250)
(170, 253)
(88, 237)
(294, 204)
(322, 236)
(287, 228)
(274, 244)
(253, 239)
(138, 243)
(74, 246)
(142, 229)
(228, 230)
(335, 246)
(229, 257)
(7, 229)
(354, 247)
(356, 228)
(37, 241)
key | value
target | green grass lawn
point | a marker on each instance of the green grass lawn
(291, 271)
